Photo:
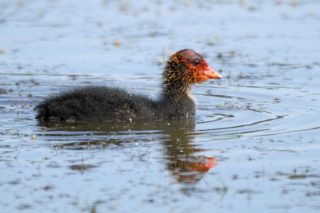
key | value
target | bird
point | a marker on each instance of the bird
(110, 104)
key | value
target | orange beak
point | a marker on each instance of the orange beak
(211, 73)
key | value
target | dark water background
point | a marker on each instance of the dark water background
(254, 145)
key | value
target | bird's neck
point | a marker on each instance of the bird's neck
(175, 81)
(176, 100)
(177, 105)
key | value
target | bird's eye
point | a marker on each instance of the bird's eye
(196, 62)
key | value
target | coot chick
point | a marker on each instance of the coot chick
(107, 104)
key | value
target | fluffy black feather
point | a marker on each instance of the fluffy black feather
(104, 104)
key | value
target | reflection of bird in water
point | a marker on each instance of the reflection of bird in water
(182, 156)
(184, 161)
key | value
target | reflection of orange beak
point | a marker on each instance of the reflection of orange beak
(211, 73)
(203, 166)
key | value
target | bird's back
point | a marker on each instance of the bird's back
(102, 104)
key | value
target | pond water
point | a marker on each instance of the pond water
(254, 145)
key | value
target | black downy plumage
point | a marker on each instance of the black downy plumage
(107, 104)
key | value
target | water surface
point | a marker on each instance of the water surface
(253, 146)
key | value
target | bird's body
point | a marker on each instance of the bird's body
(107, 104)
